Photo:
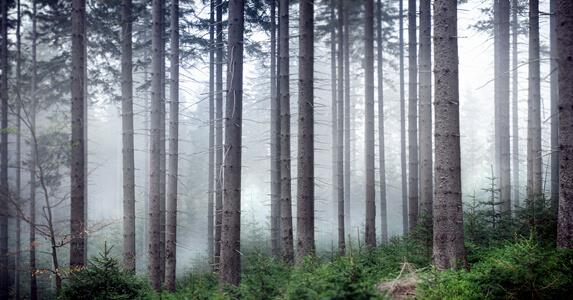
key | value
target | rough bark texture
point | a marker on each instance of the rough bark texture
(4, 200)
(218, 130)
(275, 142)
(514, 101)
(127, 139)
(162, 150)
(565, 58)
(32, 164)
(403, 169)
(554, 99)
(305, 170)
(153, 266)
(171, 204)
(333, 106)
(17, 192)
(412, 117)
(425, 122)
(448, 247)
(284, 95)
(211, 173)
(370, 192)
(347, 162)
(534, 171)
(381, 144)
(340, 133)
(78, 139)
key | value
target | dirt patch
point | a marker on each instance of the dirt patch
(403, 286)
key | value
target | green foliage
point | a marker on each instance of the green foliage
(103, 279)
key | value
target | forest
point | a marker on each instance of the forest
(286, 149)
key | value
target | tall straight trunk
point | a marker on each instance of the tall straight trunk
(305, 163)
(78, 138)
(534, 107)
(514, 101)
(347, 142)
(231, 228)
(18, 258)
(171, 204)
(425, 122)
(333, 106)
(162, 149)
(404, 171)
(127, 138)
(218, 130)
(340, 132)
(381, 144)
(275, 141)
(554, 97)
(370, 192)
(448, 244)
(284, 99)
(32, 166)
(211, 173)
(154, 226)
(564, 39)
(412, 117)
(4, 269)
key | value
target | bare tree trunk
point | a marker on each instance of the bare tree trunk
(18, 258)
(218, 130)
(381, 143)
(78, 139)
(347, 143)
(127, 126)
(340, 132)
(403, 125)
(370, 192)
(333, 107)
(171, 204)
(448, 248)
(32, 165)
(554, 96)
(412, 117)
(275, 142)
(4, 269)
(305, 163)
(514, 100)
(534, 111)
(286, 198)
(231, 227)
(162, 150)
(425, 131)
(211, 173)
(154, 257)
(564, 39)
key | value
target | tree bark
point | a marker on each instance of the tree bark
(347, 143)
(127, 138)
(171, 204)
(381, 144)
(275, 141)
(218, 130)
(285, 172)
(162, 149)
(78, 138)
(554, 99)
(211, 172)
(32, 164)
(404, 171)
(448, 244)
(231, 227)
(370, 192)
(18, 258)
(155, 149)
(4, 269)
(514, 100)
(333, 108)
(564, 41)
(412, 117)
(305, 170)
(340, 133)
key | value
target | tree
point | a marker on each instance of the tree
(275, 142)
(211, 173)
(347, 143)
(404, 172)
(162, 148)
(514, 102)
(284, 95)
(127, 139)
(534, 112)
(370, 192)
(333, 107)
(33, 162)
(381, 144)
(412, 117)
(564, 41)
(340, 132)
(154, 151)
(425, 131)
(231, 226)
(171, 204)
(218, 130)
(4, 269)
(18, 196)
(448, 243)
(305, 166)
(554, 99)
(78, 138)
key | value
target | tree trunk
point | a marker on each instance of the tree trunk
(370, 192)
(18, 258)
(514, 100)
(32, 165)
(155, 149)
(333, 107)
(162, 149)
(340, 132)
(4, 269)
(127, 138)
(218, 131)
(425, 131)
(381, 144)
(275, 142)
(554, 97)
(412, 117)
(78, 138)
(534, 111)
(305, 163)
(404, 172)
(211, 172)
(285, 172)
(448, 248)
(171, 204)
(231, 227)
(564, 41)
(347, 143)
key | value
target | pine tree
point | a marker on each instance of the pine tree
(412, 118)
(370, 192)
